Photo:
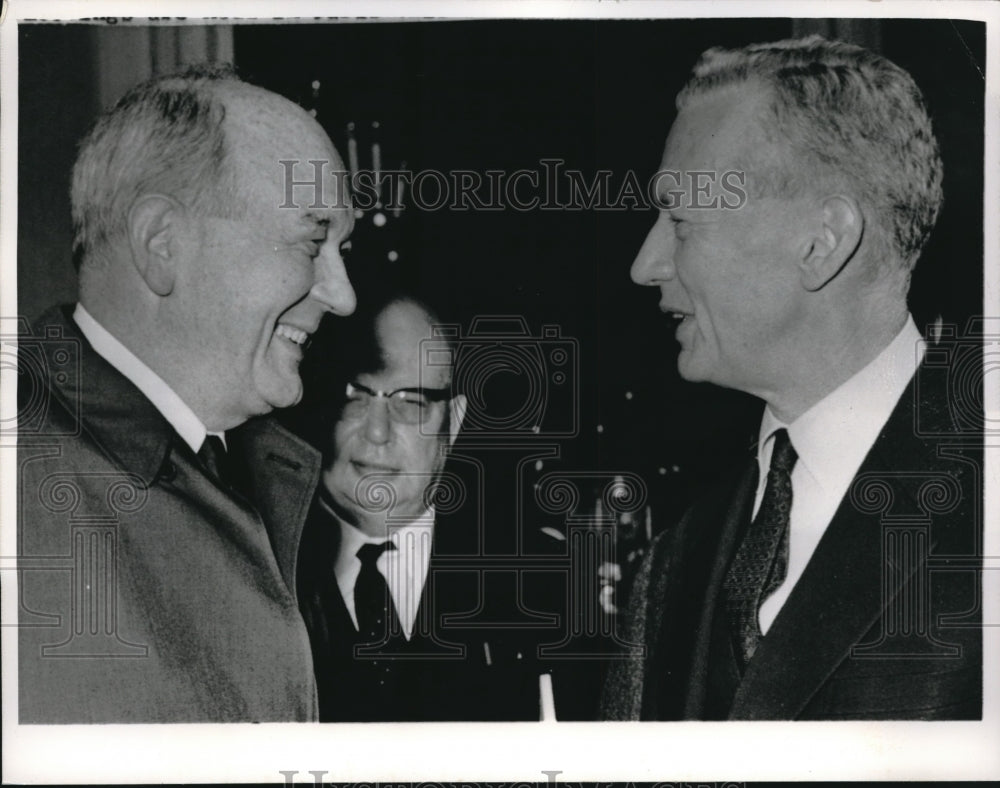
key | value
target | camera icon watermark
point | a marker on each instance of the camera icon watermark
(517, 386)
(43, 364)
(959, 362)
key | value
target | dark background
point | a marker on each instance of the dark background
(504, 95)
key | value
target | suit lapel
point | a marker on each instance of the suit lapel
(282, 472)
(734, 524)
(840, 595)
(440, 587)
(338, 618)
(837, 599)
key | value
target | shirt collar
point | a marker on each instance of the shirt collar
(352, 538)
(164, 399)
(834, 435)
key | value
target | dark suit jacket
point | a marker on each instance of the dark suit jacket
(148, 593)
(883, 624)
(445, 672)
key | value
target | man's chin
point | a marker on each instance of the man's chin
(283, 394)
(698, 371)
(369, 519)
(688, 368)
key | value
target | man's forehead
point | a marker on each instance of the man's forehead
(280, 141)
(312, 186)
(403, 323)
(300, 162)
(716, 148)
(409, 349)
(713, 128)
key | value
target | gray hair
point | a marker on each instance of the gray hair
(854, 118)
(165, 135)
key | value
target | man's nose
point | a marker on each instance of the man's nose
(655, 260)
(377, 424)
(331, 287)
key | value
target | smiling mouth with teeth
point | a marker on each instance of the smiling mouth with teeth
(296, 335)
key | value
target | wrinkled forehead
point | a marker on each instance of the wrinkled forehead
(411, 354)
(282, 155)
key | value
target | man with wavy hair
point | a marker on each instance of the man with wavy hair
(836, 578)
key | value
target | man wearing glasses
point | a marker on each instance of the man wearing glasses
(377, 580)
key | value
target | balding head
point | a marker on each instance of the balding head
(197, 249)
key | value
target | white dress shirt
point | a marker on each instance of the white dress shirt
(155, 388)
(404, 569)
(832, 439)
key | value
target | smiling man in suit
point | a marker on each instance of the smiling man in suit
(154, 587)
(836, 577)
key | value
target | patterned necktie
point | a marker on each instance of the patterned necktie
(214, 457)
(372, 601)
(761, 562)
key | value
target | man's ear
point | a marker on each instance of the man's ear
(458, 405)
(835, 242)
(153, 224)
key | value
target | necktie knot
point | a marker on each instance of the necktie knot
(783, 454)
(214, 457)
(373, 606)
(370, 552)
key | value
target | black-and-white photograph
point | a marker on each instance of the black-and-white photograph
(595, 367)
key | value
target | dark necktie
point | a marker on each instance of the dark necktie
(214, 457)
(372, 601)
(761, 562)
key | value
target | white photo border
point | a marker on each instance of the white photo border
(676, 752)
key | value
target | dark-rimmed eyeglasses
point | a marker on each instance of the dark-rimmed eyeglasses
(409, 405)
